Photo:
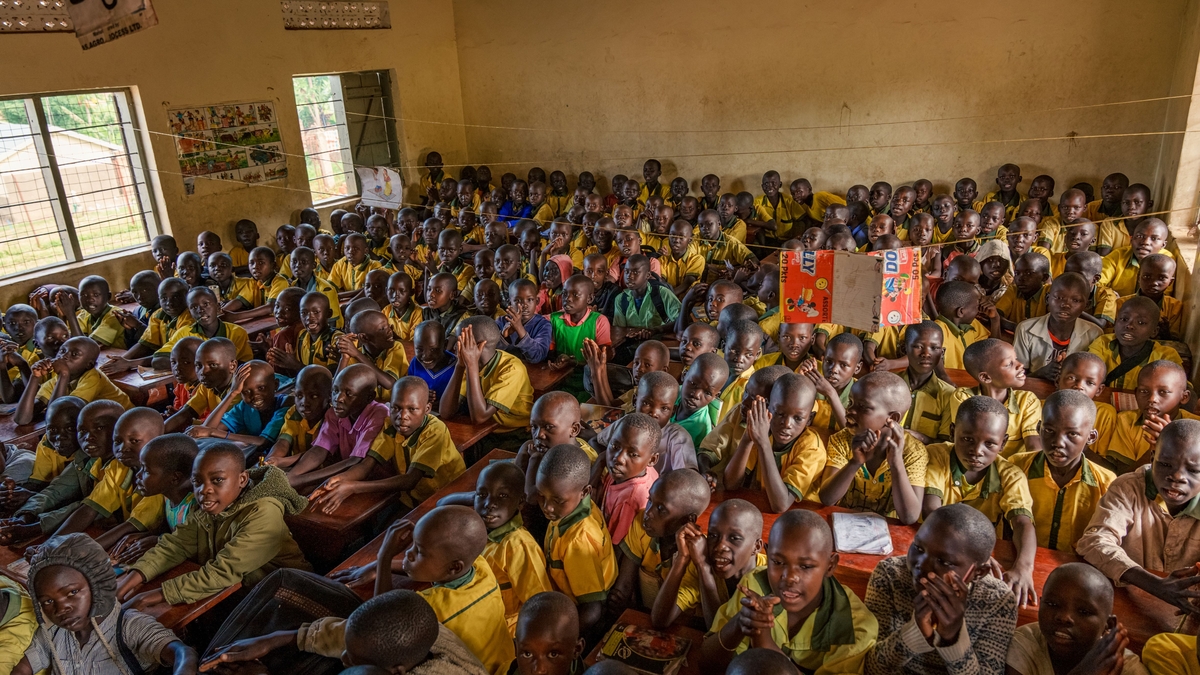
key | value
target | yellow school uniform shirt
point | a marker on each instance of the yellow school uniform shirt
(319, 272)
(783, 213)
(1106, 422)
(318, 349)
(421, 254)
(429, 449)
(506, 386)
(544, 215)
(735, 230)
(1095, 213)
(519, 565)
(29, 352)
(161, 326)
(1171, 654)
(799, 463)
(720, 443)
(835, 638)
(578, 256)
(674, 271)
(662, 190)
(382, 252)
(731, 395)
(297, 430)
(1113, 233)
(206, 398)
(91, 386)
(821, 201)
(956, 339)
(823, 417)
(106, 329)
(231, 331)
(770, 321)
(940, 237)
(404, 324)
(1107, 348)
(463, 273)
(472, 608)
(47, 463)
(1170, 317)
(723, 249)
(1017, 309)
(238, 289)
(559, 204)
(394, 362)
(283, 263)
(1119, 270)
(1061, 514)
(886, 340)
(645, 551)
(239, 255)
(262, 292)
(929, 414)
(1102, 303)
(1024, 416)
(114, 495)
(874, 492)
(579, 554)
(1010, 207)
(326, 288)
(772, 359)
(350, 277)
(17, 625)
(1128, 444)
(1002, 493)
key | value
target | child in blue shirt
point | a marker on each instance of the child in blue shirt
(251, 414)
(431, 362)
(527, 334)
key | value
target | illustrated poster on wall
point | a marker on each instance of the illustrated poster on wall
(381, 187)
(230, 141)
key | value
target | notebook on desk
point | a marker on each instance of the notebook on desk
(861, 533)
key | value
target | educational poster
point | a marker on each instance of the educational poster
(380, 187)
(232, 142)
(99, 21)
(806, 280)
(900, 303)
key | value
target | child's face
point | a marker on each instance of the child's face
(262, 267)
(1084, 375)
(50, 340)
(1031, 209)
(979, 439)
(93, 298)
(409, 222)
(630, 242)
(95, 434)
(622, 216)
(61, 431)
(1007, 370)
(215, 368)
(442, 293)
(1027, 277)
(789, 416)
(700, 387)
(880, 225)
(260, 389)
(629, 453)
(78, 355)
(814, 238)
(602, 237)
(20, 326)
(1007, 178)
(495, 235)
(220, 268)
(525, 301)
(183, 364)
(487, 299)
(315, 315)
(695, 342)
(65, 597)
(547, 647)
(1134, 203)
(732, 542)
(576, 296)
(558, 496)
(1040, 188)
(994, 268)
(1176, 473)
(593, 204)
(797, 564)
(924, 190)
(1147, 239)
(902, 203)
(152, 477)
(880, 196)
(645, 360)
(537, 195)
(842, 363)
(1021, 238)
(207, 244)
(302, 265)
(326, 252)
(867, 409)
(1080, 237)
(355, 250)
(1065, 303)
(965, 193)
(1134, 326)
(430, 232)
(1071, 207)
(1065, 433)
(246, 235)
(218, 480)
(1160, 391)
(376, 286)
(966, 225)
(304, 237)
(925, 351)
(727, 208)
(551, 425)
(164, 252)
(351, 395)
(637, 276)
(378, 230)
(1072, 618)
(742, 352)
(663, 516)
(587, 181)
(129, 438)
(508, 265)
(1155, 278)
(795, 339)
(408, 409)
(496, 500)
(680, 238)
(657, 403)
(720, 296)
(426, 560)
(286, 312)
(429, 346)
(991, 218)
(596, 270)
(943, 210)
(551, 275)
(285, 239)
(937, 549)
(449, 248)
(689, 208)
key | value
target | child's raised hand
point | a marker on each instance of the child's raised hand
(756, 616)
(60, 368)
(1177, 589)
(469, 351)
(514, 321)
(692, 544)
(347, 344)
(42, 369)
(893, 440)
(696, 291)
(923, 616)
(594, 354)
(947, 596)
(758, 423)
(1152, 426)
(1107, 656)
(864, 444)
(128, 320)
(239, 378)
(397, 538)
(66, 302)
(988, 308)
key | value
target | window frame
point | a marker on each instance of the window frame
(134, 153)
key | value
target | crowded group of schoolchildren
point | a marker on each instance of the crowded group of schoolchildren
(392, 325)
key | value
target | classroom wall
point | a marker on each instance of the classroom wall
(826, 90)
(229, 50)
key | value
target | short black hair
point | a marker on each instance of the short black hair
(484, 328)
(978, 355)
(1073, 281)
(222, 449)
(737, 311)
(976, 406)
(970, 522)
(767, 377)
(397, 628)
(1067, 399)
(760, 661)
(954, 294)
(176, 452)
(846, 340)
(567, 461)
(688, 488)
(1075, 358)
(744, 327)
(1182, 433)
(657, 379)
(645, 424)
(224, 344)
(916, 330)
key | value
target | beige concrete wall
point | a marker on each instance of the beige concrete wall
(608, 84)
(228, 50)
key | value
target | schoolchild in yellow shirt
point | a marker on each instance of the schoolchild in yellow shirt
(491, 384)
(303, 420)
(72, 372)
(1155, 277)
(717, 446)
(89, 313)
(1115, 232)
(1026, 297)
(1121, 265)
(1132, 344)
(1101, 308)
(931, 396)
(1162, 390)
(1008, 177)
(1000, 374)
(1084, 371)
(958, 304)
(1065, 485)
(349, 272)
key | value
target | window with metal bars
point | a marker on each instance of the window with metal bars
(73, 180)
(346, 120)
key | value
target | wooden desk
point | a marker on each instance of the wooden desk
(544, 378)
(1143, 615)
(464, 483)
(262, 324)
(691, 664)
(466, 434)
(141, 391)
(24, 435)
(324, 536)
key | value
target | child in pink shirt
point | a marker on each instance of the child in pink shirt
(628, 472)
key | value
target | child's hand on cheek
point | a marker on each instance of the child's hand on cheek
(691, 544)
(469, 350)
(864, 445)
(758, 423)
(1152, 426)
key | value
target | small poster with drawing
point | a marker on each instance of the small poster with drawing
(380, 187)
(236, 142)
